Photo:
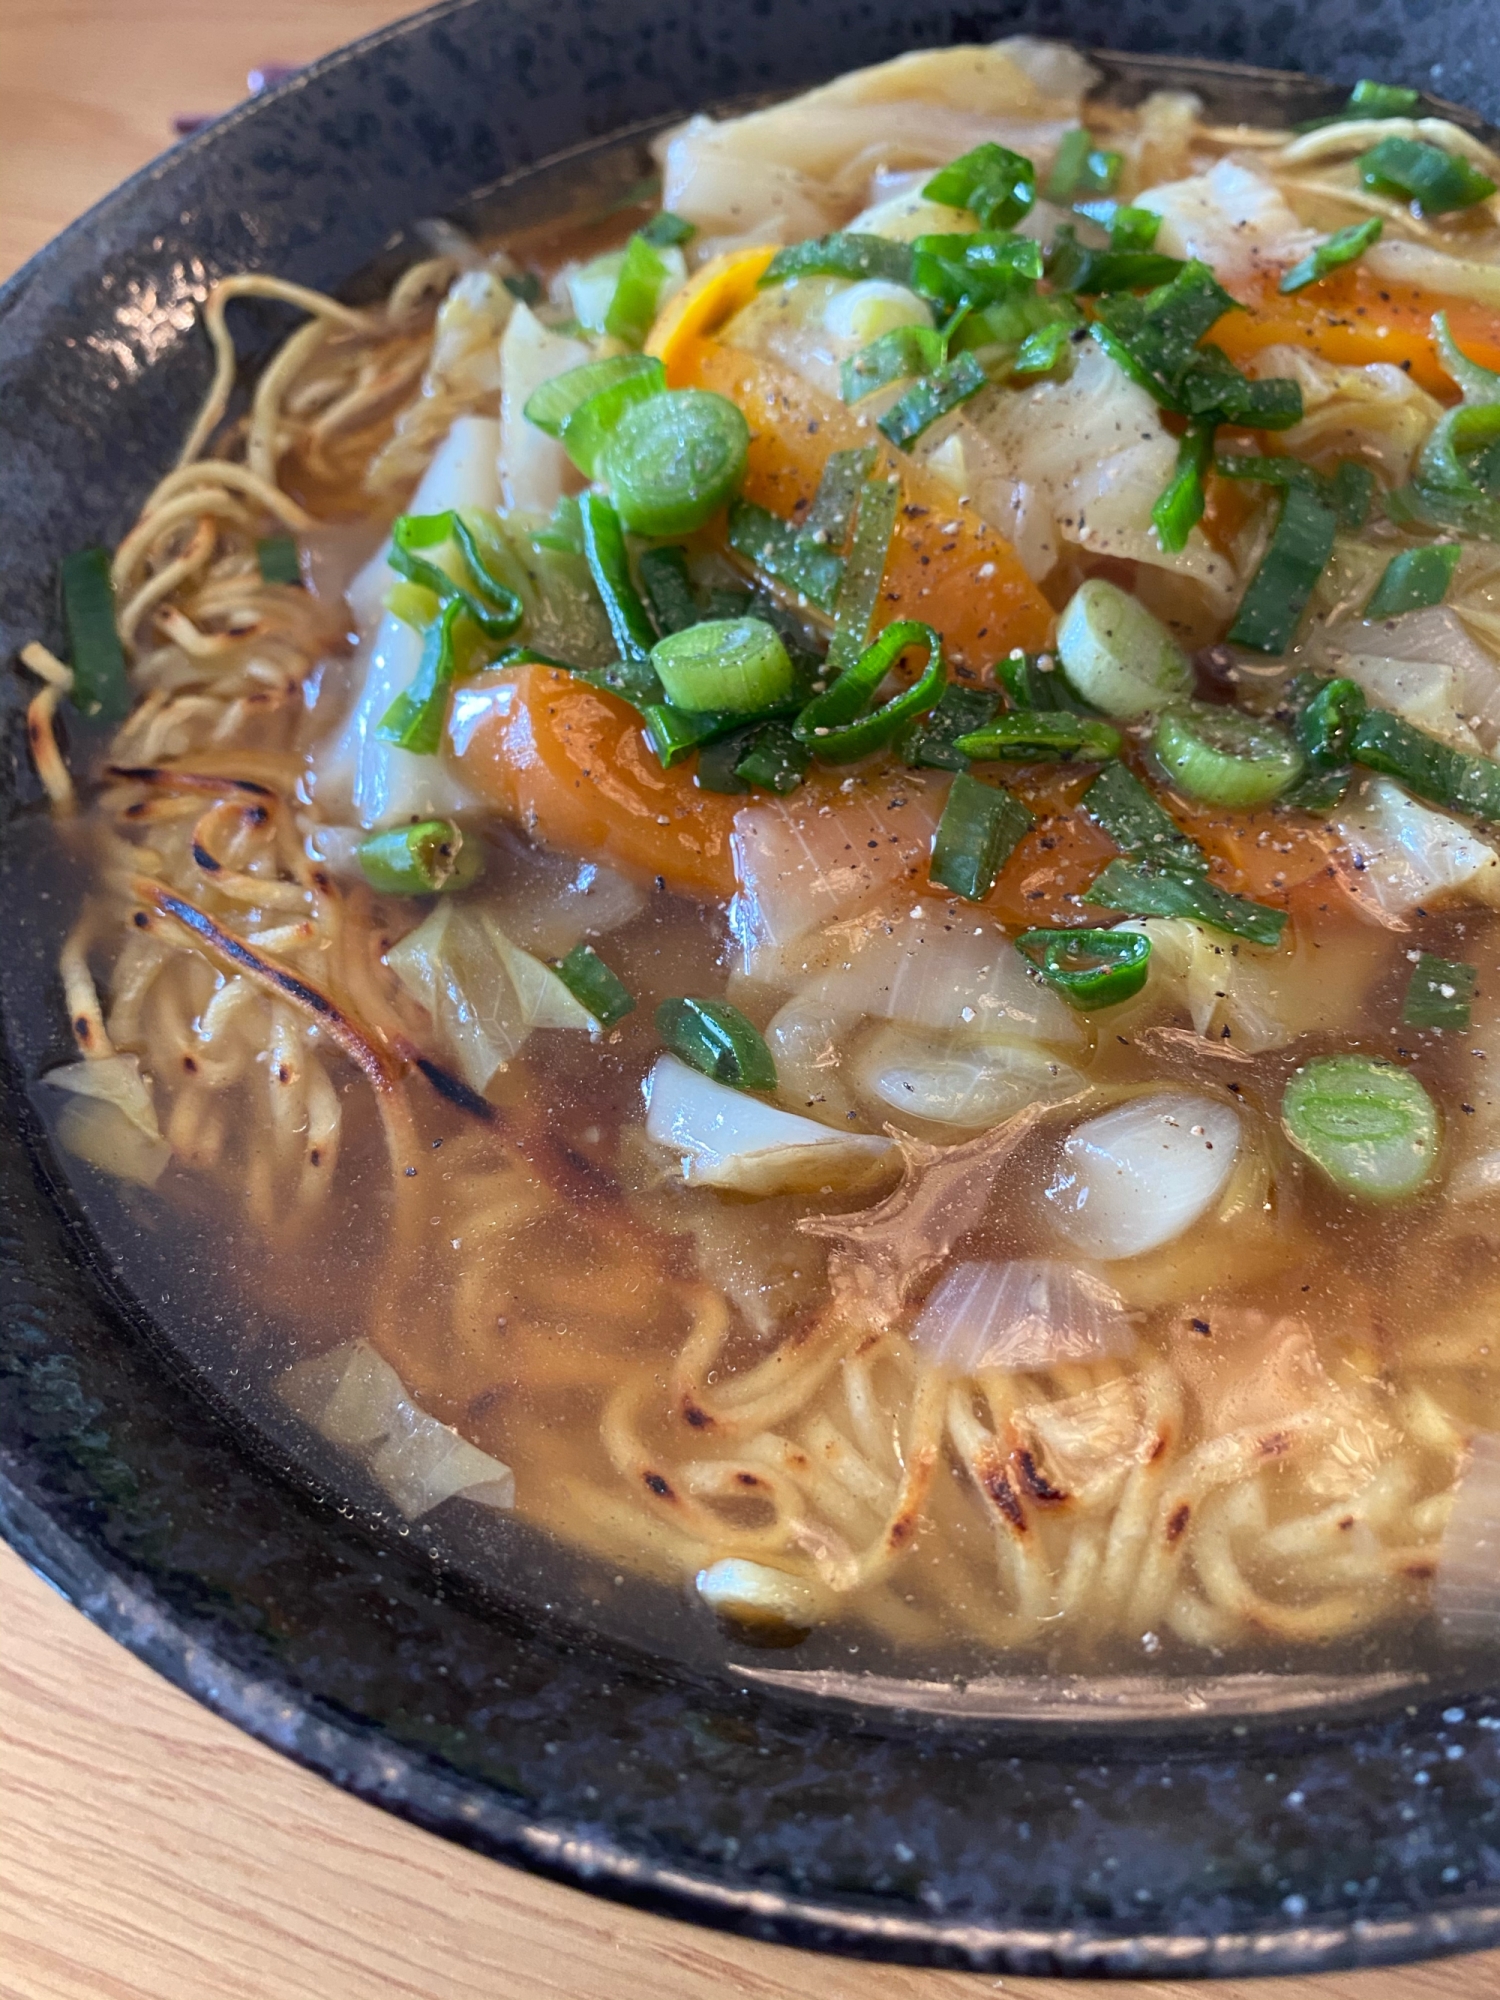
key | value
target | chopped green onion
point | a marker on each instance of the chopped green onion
(1116, 656)
(609, 566)
(718, 761)
(1179, 507)
(1133, 228)
(1433, 770)
(774, 760)
(837, 498)
(1370, 99)
(715, 1038)
(1352, 489)
(735, 665)
(1089, 968)
(1439, 182)
(414, 721)
(427, 859)
(597, 989)
(835, 725)
(931, 743)
(1371, 1127)
(674, 460)
(1415, 579)
(930, 398)
(1349, 491)
(631, 680)
(1339, 249)
(523, 285)
(99, 684)
(1074, 268)
(1226, 757)
(1324, 726)
(665, 229)
(1455, 479)
(976, 269)
(669, 588)
(1040, 352)
(588, 428)
(1028, 735)
(638, 290)
(845, 254)
(492, 605)
(904, 351)
(978, 832)
(778, 550)
(1080, 168)
(673, 732)
(1035, 682)
(277, 560)
(553, 405)
(1155, 340)
(1271, 608)
(563, 531)
(1147, 892)
(858, 590)
(412, 604)
(996, 185)
(1439, 993)
(1137, 824)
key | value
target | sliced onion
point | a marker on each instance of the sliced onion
(1404, 854)
(460, 473)
(111, 1122)
(1466, 1595)
(534, 469)
(358, 1402)
(555, 901)
(809, 1042)
(1227, 989)
(1029, 1314)
(1140, 1175)
(966, 1084)
(727, 1139)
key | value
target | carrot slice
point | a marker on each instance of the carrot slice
(711, 297)
(1353, 317)
(947, 566)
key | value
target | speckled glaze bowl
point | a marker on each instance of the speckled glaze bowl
(1098, 1830)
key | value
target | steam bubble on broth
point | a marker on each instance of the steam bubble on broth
(1138, 1176)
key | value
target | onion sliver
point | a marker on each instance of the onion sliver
(727, 1139)
(1029, 1314)
(966, 1084)
(1466, 1595)
(1141, 1174)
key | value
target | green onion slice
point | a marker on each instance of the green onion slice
(834, 724)
(1325, 721)
(414, 721)
(996, 185)
(834, 504)
(1433, 770)
(1369, 99)
(777, 550)
(1089, 968)
(666, 229)
(1072, 267)
(1029, 735)
(524, 285)
(931, 743)
(904, 351)
(1371, 1127)
(1414, 579)
(1343, 247)
(1272, 606)
(1348, 492)
(99, 684)
(736, 665)
(673, 732)
(1133, 228)
(638, 291)
(1155, 340)
(609, 566)
(1151, 892)
(1080, 168)
(597, 989)
(489, 602)
(428, 859)
(1118, 802)
(1116, 656)
(975, 269)
(277, 560)
(1415, 171)
(860, 577)
(668, 587)
(773, 760)
(846, 254)
(716, 1038)
(1179, 508)
(1439, 993)
(977, 834)
(1041, 351)
(931, 397)
(1226, 757)
(1033, 681)
(674, 460)
(554, 405)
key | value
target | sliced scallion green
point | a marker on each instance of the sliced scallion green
(1326, 717)
(277, 560)
(1370, 1126)
(931, 397)
(1116, 656)
(1138, 825)
(1415, 579)
(427, 859)
(773, 759)
(414, 721)
(1226, 757)
(1089, 968)
(736, 665)
(932, 742)
(1272, 606)
(1439, 993)
(1033, 681)
(1029, 735)
(717, 764)
(837, 725)
(1080, 168)
(675, 459)
(1150, 892)
(669, 588)
(779, 551)
(489, 602)
(99, 684)
(638, 290)
(1133, 228)
(553, 405)
(1072, 267)
(716, 1038)
(594, 985)
(974, 270)
(665, 229)
(1433, 770)
(996, 185)
(1343, 247)
(609, 566)
(892, 357)
(1041, 351)
(845, 254)
(1415, 171)
(1179, 507)
(832, 511)
(858, 590)
(980, 828)
(673, 732)
(525, 286)
(1348, 492)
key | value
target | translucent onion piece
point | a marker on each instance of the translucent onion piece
(1405, 854)
(1234, 218)
(1143, 1173)
(1030, 1314)
(727, 1139)
(534, 470)
(1229, 990)
(357, 1401)
(111, 1122)
(1466, 1595)
(970, 1085)
(770, 1601)
(556, 901)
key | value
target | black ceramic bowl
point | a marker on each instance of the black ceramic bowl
(1191, 1839)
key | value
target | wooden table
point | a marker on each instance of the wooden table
(148, 1851)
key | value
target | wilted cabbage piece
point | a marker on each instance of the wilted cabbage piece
(1404, 853)
(111, 1122)
(726, 1139)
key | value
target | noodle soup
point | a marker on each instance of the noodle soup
(802, 876)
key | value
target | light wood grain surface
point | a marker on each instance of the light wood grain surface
(148, 1851)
